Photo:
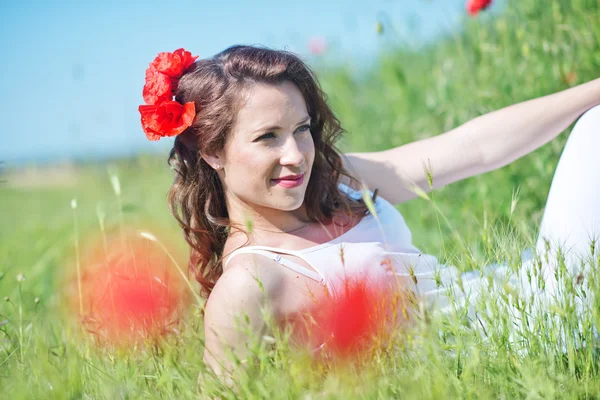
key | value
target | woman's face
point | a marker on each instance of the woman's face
(270, 140)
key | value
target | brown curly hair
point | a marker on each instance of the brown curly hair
(196, 198)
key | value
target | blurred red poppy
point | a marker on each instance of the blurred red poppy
(475, 6)
(361, 315)
(317, 45)
(129, 292)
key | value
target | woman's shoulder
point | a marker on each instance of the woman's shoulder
(241, 273)
(262, 270)
(236, 299)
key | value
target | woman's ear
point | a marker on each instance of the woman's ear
(214, 160)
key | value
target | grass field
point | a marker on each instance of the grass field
(530, 49)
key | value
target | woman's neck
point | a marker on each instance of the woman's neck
(256, 218)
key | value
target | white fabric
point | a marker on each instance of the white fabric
(366, 249)
(566, 272)
(571, 220)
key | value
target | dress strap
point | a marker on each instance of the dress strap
(276, 257)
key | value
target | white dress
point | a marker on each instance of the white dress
(368, 248)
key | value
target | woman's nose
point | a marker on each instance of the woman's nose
(292, 154)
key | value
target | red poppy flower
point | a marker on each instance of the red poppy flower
(161, 116)
(128, 293)
(169, 118)
(158, 87)
(363, 314)
(475, 6)
(173, 64)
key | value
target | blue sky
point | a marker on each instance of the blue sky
(73, 71)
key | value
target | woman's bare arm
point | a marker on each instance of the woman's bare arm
(480, 145)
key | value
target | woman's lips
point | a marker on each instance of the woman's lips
(289, 183)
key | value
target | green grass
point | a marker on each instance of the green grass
(524, 52)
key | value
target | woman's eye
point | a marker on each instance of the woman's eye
(267, 136)
(304, 128)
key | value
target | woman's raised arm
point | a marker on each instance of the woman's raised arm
(482, 144)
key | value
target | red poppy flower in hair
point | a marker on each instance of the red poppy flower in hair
(161, 116)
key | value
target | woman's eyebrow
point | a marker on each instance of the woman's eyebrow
(272, 128)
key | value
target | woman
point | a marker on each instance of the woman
(274, 215)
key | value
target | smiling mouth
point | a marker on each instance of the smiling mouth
(288, 182)
(290, 178)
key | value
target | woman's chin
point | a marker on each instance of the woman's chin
(292, 207)
(290, 203)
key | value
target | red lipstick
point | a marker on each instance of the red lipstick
(289, 182)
